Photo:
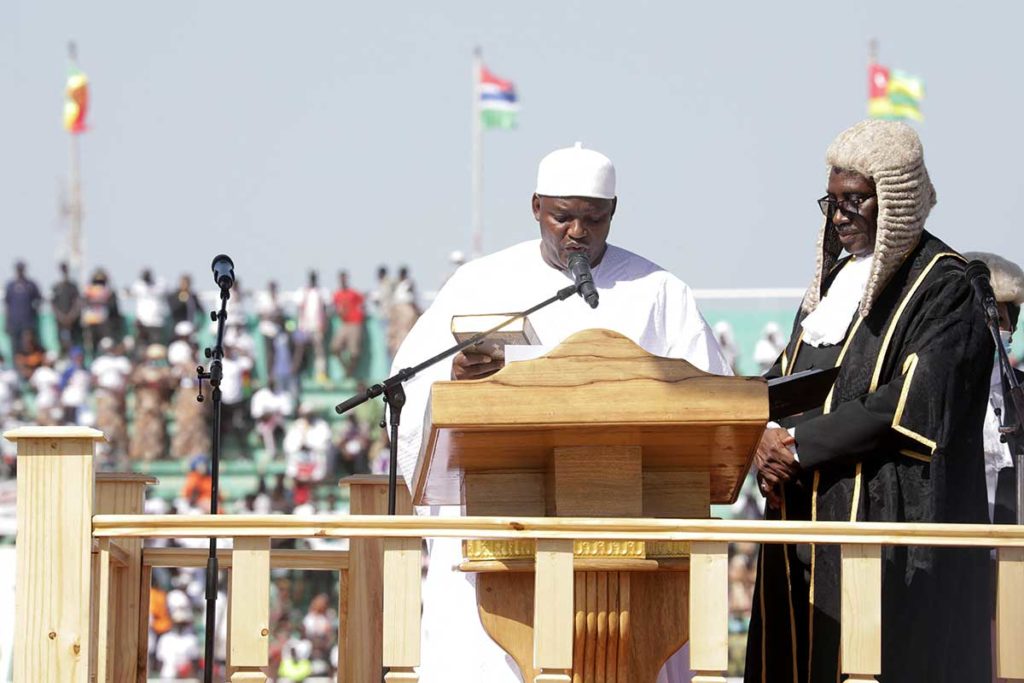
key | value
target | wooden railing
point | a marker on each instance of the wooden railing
(55, 582)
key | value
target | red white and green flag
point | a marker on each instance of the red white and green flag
(76, 100)
(499, 106)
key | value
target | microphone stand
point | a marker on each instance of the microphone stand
(213, 377)
(1012, 428)
(394, 392)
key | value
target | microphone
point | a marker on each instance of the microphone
(978, 275)
(580, 269)
(223, 271)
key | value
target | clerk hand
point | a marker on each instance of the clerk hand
(775, 462)
(474, 365)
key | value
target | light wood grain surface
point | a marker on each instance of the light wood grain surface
(597, 388)
(407, 526)
(861, 610)
(54, 554)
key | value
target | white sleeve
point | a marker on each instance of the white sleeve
(430, 335)
(687, 334)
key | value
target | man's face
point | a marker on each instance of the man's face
(573, 224)
(856, 228)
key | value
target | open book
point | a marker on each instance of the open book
(516, 333)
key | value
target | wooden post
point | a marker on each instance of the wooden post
(402, 605)
(553, 616)
(101, 603)
(124, 494)
(142, 627)
(250, 608)
(709, 611)
(343, 582)
(361, 651)
(1010, 614)
(54, 551)
(861, 612)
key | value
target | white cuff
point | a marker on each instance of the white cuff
(792, 432)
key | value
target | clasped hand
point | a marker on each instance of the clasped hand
(775, 464)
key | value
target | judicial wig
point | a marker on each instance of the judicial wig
(890, 154)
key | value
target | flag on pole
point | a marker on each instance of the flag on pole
(894, 94)
(76, 100)
(499, 106)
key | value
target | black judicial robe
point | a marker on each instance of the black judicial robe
(899, 439)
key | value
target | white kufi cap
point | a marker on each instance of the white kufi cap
(576, 172)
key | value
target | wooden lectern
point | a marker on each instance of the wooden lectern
(596, 428)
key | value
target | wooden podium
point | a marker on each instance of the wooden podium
(596, 428)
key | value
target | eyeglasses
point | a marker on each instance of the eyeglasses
(828, 205)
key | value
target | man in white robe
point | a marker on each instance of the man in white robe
(574, 205)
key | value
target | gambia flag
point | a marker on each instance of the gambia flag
(894, 94)
(76, 101)
(499, 106)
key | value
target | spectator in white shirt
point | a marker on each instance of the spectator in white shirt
(75, 384)
(311, 328)
(269, 407)
(46, 383)
(237, 368)
(150, 310)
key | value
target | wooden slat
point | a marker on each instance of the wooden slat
(124, 493)
(402, 604)
(103, 613)
(308, 560)
(601, 648)
(625, 629)
(694, 530)
(344, 586)
(709, 611)
(553, 615)
(142, 648)
(54, 563)
(579, 641)
(861, 611)
(611, 661)
(1010, 614)
(250, 610)
(362, 655)
(590, 648)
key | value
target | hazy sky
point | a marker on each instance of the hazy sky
(337, 134)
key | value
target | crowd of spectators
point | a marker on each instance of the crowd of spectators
(125, 362)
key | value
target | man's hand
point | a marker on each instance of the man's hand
(772, 494)
(474, 365)
(775, 463)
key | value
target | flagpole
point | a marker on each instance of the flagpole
(75, 213)
(478, 158)
(75, 195)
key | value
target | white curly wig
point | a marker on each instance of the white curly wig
(1007, 277)
(889, 153)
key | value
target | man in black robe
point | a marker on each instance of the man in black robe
(899, 438)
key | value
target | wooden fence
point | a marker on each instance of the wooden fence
(83, 575)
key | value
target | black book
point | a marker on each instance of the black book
(799, 392)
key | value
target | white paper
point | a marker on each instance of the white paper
(518, 352)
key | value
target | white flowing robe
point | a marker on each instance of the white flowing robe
(639, 300)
